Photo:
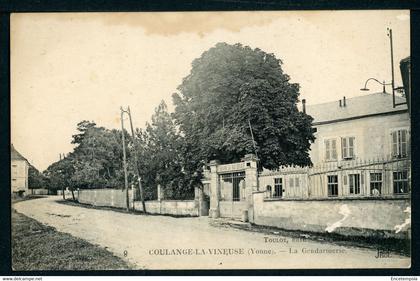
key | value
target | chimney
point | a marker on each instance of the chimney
(344, 101)
(339, 103)
(304, 105)
(60, 156)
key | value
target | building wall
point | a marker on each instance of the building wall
(19, 175)
(352, 217)
(295, 184)
(372, 136)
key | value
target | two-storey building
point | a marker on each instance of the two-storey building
(19, 173)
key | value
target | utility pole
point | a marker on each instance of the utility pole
(124, 158)
(392, 67)
(136, 162)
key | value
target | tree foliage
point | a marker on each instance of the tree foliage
(230, 87)
(96, 161)
(35, 178)
(162, 160)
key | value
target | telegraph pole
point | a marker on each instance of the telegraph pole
(392, 67)
(136, 161)
(124, 158)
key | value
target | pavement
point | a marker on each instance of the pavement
(163, 242)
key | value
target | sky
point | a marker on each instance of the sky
(69, 67)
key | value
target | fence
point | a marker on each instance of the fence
(341, 179)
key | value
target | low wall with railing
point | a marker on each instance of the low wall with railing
(380, 217)
(170, 207)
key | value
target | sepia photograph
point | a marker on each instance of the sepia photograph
(210, 140)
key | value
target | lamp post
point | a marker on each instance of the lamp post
(392, 83)
(376, 80)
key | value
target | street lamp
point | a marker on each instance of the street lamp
(376, 80)
(398, 89)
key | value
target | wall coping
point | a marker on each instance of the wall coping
(164, 200)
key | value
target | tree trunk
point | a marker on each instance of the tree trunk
(64, 196)
(72, 194)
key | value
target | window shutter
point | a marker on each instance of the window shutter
(327, 149)
(362, 179)
(351, 147)
(394, 144)
(291, 182)
(297, 182)
(345, 180)
(344, 147)
(403, 143)
(334, 149)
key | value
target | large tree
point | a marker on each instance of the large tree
(231, 87)
(97, 158)
(96, 161)
(161, 161)
(35, 178)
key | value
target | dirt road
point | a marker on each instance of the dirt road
(161, 242)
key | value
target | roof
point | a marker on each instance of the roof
(15, 155)
(356, 107)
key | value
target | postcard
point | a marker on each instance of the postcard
(210, 140)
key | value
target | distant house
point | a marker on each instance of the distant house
(19, 173)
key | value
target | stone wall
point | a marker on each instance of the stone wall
(170, 207)
(117, 198)
(39, 191)
(350, 217)
(103, 197)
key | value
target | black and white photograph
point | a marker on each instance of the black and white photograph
(210, 140)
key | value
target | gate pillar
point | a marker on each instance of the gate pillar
(214, 211)
(251, 182)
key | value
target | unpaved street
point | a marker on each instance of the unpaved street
(161, 242)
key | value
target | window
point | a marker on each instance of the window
(347, 147)
(294, 182)
(332, 186)
(400, 182)
(354, 184)
(330, 149)
(399, 143)
(268, 190)
(375, 183)
(278, 187)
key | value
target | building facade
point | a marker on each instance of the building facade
(359, 183)
(19, 167)
(362, 148)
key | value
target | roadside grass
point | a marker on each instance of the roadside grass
(398, 246)
(39, 247)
